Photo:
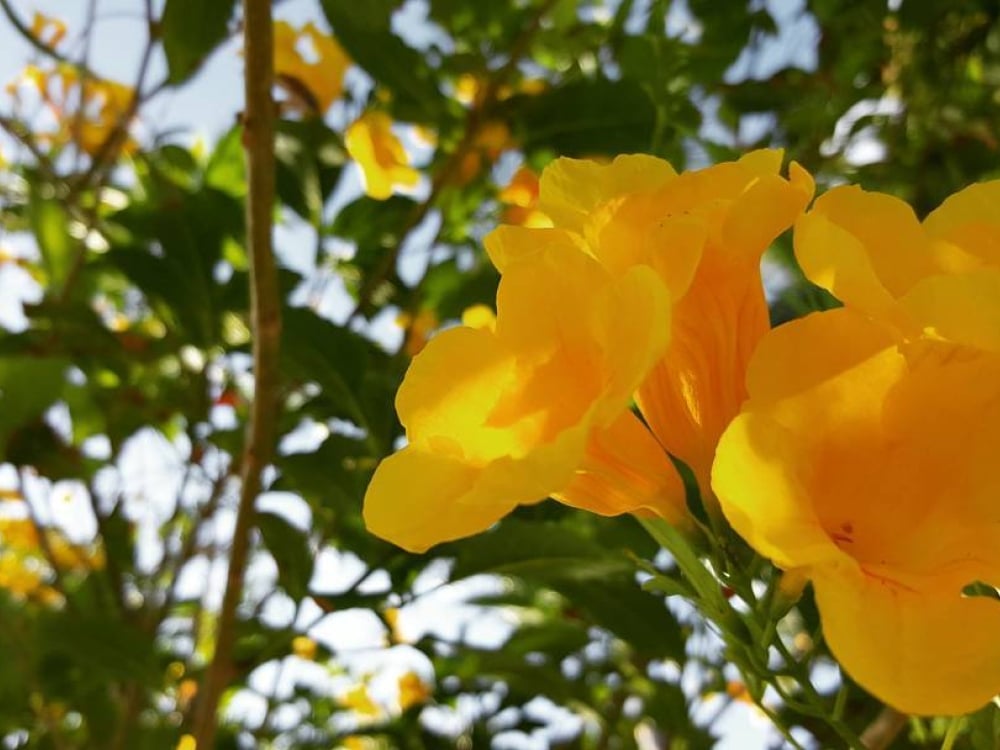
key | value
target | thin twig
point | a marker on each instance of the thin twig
(265, 314)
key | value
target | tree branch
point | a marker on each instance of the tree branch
(265, 314)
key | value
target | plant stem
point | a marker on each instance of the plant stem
(265, 315)
(884, 729)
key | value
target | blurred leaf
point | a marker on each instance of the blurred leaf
(50, 224)
(191, 29)
(291, 551)
(103, 647)
(28, 386)
(584, 118)
(365, 33)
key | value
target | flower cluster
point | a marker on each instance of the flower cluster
(852, 447)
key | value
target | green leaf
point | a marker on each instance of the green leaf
(191, 29)
(363, 29)
(290, 548)
(102, 646)
(50, 224)
(585, 117)
(309, 158)
(544, 552)
(984, 728)
(226, 168)
(28, 386)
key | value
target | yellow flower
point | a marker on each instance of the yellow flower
(521, 198)
(316, 82)
(418, 329)
(47, 30)
(648, 284)
(358, 699)
(491, 139)
(381, 156)
(304, 647)
(864, 458)
(88, 110)
(479, 316)
(412, 691)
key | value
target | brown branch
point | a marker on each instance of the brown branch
(881, 733)
(265, 314)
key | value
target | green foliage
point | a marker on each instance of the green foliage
(191, 31)
(142, 334)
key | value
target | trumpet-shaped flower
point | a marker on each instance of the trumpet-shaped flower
(864, 458)
(380, 154)
(317, 79)
(642, 284)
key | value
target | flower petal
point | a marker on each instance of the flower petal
(964, 308)
(570, 189)
(626, 470)
(967, 228)
(885, 231)
(757, 478)
(922, 652)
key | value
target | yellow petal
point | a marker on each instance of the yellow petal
(867, 249)
(758, 480)
(921, 651)
(834, 259)
(967, 226)
(806, 352)
(962, 308)
(380, 154)
(626, 470)
(322, 77)
(570, 189)
(508, 243)
(480, 317)
(639, 229)
(698, 386)
(419, 498)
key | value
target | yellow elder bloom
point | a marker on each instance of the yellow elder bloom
(48, 30)
(520, 197)
(380, 154)
(647, 285)
(865, 456)
(320, 78)
(412, 691)
(359, 700)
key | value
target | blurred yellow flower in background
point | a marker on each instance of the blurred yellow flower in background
(360, 701)
(648, 284)
(865, 458)
(316, 80)
(384, 162)
(48, 30)
(412, 691)
(88, 110)
(520, 199)
(417, 329)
